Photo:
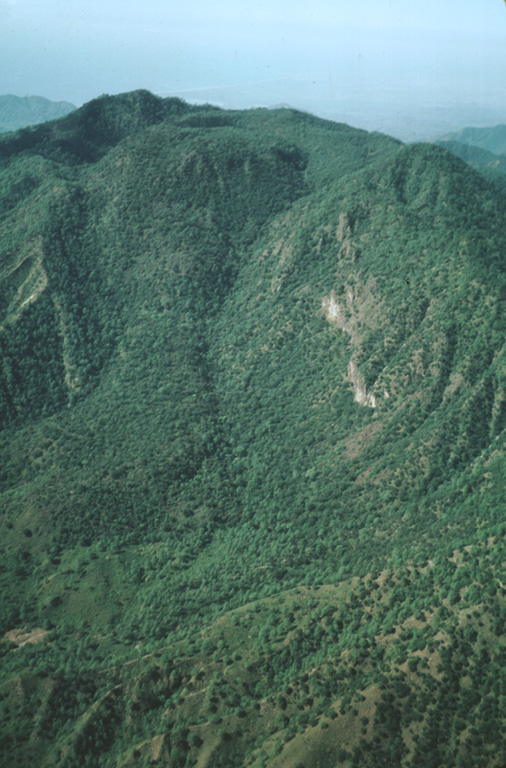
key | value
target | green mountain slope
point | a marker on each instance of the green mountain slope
(253, 402)
(493, 167)
(17, 112)
(491, 139)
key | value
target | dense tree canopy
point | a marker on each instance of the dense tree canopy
(252, 392)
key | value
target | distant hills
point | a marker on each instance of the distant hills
(491, 139)
(253, 432)
(492, 167)
(483, 149)
(20, 111)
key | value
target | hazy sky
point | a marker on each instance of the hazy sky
(368, 58)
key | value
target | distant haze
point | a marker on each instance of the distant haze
(410, 69)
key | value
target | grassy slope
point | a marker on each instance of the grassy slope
(182, 438)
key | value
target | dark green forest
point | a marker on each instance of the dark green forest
(253, 414)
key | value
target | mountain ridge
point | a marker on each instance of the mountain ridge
(492, 167)
(17, 112)
(197, 509)
(492, 139)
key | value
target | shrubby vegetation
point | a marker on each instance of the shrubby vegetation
(225, 557)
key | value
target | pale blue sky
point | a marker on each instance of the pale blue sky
(361, 61)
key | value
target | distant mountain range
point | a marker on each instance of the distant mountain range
(491, 139)
(252, 446)
(20, 111)
(482, 148)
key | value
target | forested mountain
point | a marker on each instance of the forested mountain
(493, 167)
(253, 398)
(20, 111)
(491, 139)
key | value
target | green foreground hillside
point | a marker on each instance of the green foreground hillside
(253, 404)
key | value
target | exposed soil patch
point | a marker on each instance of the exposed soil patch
(23, 636)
